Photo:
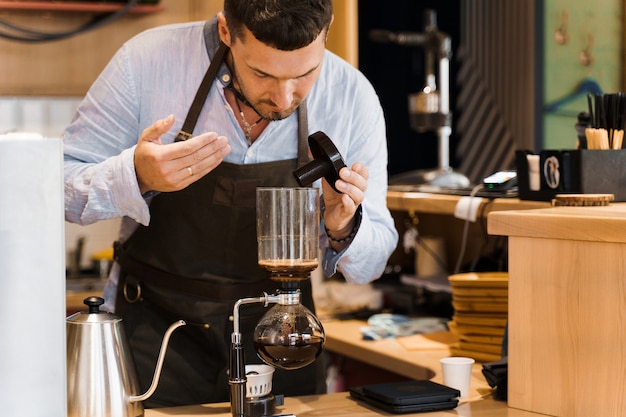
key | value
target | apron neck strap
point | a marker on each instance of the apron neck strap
(201, 95)
(303, 135)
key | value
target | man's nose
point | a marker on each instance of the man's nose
(282, 96)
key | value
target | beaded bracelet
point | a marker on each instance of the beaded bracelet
(345, 239)
(358, 215)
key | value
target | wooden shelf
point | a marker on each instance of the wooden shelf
(76, 6)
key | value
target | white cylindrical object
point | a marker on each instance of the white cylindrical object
(457, 373)
(258, 380)
(534, 177)
(32, 277)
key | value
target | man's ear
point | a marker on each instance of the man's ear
(332, 19)
(222, 29)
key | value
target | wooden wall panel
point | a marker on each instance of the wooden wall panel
(343, 38)
(68, 67)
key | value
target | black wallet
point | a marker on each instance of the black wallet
(407, 396)
(496, 374)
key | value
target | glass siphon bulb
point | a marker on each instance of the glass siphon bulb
(289, 337)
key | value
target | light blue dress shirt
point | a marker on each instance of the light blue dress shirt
(157, 73)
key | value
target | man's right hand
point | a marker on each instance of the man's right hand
(174, 166)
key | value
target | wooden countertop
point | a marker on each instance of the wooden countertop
(344, 337)
(340, 404)
(417, 359)
(597, 224)
(446, 204)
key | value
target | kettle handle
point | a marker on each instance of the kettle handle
(157, 371)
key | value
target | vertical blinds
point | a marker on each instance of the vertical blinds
(497, 84)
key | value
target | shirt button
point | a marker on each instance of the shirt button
(226, 78)
(250, 153)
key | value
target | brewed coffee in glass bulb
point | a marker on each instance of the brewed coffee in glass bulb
(288, 336)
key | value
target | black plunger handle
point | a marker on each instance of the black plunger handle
(327, 162)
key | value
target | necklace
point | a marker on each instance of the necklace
(238, 94)
(247, 127)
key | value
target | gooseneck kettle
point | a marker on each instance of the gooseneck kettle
(101, 375)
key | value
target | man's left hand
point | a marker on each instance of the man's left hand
(340, 207)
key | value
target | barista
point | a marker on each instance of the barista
(185, 184)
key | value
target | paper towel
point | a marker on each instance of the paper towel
(32, 277)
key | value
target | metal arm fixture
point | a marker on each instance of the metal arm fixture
(237, 366)
(429, 109)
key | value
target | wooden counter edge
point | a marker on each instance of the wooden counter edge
(597, 224)
(340, 404)
(446, 203)
(343, 337)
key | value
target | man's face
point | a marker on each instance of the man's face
(275, 82)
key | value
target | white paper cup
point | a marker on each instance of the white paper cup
(457, 373)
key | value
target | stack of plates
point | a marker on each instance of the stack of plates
(480, 302)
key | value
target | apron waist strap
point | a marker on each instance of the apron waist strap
(195, 287)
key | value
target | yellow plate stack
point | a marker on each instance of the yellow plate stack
(480, 302)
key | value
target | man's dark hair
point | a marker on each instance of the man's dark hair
(282, 24)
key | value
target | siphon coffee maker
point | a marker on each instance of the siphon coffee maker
(288, 336)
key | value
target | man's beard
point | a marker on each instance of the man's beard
(271, 115)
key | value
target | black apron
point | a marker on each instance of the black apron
(195, 259)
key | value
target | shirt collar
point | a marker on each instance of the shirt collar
(212, 41)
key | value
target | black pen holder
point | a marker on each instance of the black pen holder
(580, 171)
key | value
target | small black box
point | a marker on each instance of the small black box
(416, 396)
(580, 171)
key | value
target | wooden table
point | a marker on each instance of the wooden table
(341, 405)
(567, 309)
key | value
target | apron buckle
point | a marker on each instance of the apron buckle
(182, 136)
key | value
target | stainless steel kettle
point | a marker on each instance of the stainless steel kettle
(101, 375)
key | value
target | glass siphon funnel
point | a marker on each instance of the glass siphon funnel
(288, 232)
(288, 336)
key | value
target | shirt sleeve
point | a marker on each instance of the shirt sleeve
(99, 146)
(365, 258)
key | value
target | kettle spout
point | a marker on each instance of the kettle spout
(159, 365)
